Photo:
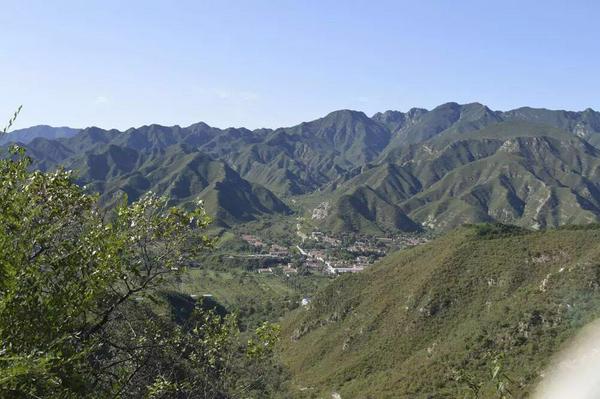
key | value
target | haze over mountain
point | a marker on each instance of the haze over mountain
(48, 132)
(390, 172)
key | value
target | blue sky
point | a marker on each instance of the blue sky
(275, 63)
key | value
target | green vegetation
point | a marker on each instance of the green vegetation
(390, 173)
(434, 321)
(96, 299)
(80, 290)
(366, 211)
(498, 230)
(253, 297)
(183, 175)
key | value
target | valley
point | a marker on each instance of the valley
(266, 199)
(403, 254)
(394, 172)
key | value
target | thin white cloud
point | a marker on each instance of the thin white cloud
(101, 100)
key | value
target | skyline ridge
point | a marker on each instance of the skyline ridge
(588, 109)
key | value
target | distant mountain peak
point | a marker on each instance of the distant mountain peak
(42, 131)
(346, 114)
(439, 167)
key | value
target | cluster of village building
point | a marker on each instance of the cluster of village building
(318, 252)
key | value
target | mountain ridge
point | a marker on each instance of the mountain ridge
(438, 168)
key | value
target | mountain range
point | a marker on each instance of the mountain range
(28, 134)
(394, 171)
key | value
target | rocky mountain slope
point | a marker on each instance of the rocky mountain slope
(391, 172)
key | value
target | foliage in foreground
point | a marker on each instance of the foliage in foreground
(75, 285)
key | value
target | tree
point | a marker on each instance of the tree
(78, 292)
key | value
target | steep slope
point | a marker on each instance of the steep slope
(453, 164)
(514, 172)
(585, 124)
(396, 120)
(534, 182)
(423, 126)
(181, 173)
(354, 137)
(303, 158)
(293, 160)
(363, 210)
(428, 321)
(48, 154)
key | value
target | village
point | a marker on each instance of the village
(322, 253)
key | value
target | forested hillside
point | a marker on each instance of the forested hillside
(391, 172)
(435, 320)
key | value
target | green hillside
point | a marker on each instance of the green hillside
(184, 175)
(254, 297)
(512, 172)
(428, 321)
(179, 171)
(366, 211)
(395, 171)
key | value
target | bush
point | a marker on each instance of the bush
(77, 288)
(496, 230)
